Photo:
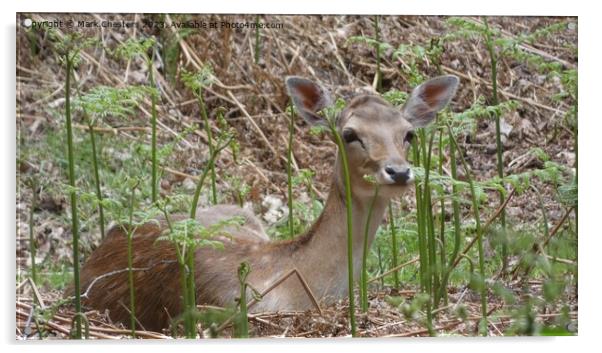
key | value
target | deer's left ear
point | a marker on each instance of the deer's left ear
(429, 98)
(309, 98)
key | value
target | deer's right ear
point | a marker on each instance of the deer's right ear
(429, 98)
(309, 98)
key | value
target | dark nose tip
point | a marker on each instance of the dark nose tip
(399, 174)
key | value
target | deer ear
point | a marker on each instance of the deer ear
(308, 97)
(429, 98)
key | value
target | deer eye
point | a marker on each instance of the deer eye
(349, 135)
(409, 137)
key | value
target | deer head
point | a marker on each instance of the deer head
(377, 135)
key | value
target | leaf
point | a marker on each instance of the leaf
(198, 80)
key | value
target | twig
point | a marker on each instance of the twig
(336, 54)
(308, 290)
(265, 322)
(130, 313)
(36, 293)
(108, 274)
(557, 227)
(561, 260)
(393, 270)
(113, 130)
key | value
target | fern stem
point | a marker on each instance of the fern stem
(69, 57)
(130, 234)
(32, 240)
(348, 207)
(154, 171)
(97, 181)
(289, 175)
(394, 248)
(209, 133)
(364, 274)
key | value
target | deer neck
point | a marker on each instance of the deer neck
(322, 251)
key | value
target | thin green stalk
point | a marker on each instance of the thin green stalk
(456, 218)
(197, 192)
(243, 324)
(32, 240)
(183, 277)
(209, 133)
(73, 197)
(364, 274)
(130, 234)
(191, 288)
(425, 283)
(97, 180)
(479, 231)
(97, 183)
(240, 199)
(420, 223)
(576, 131)
(381, 268)
(432, 280)
(289, 174)
(428, 211)
(257, 40)
(187, 260)
(79, 317)
(394, 248)
(348, 207)
(154, 172)
(185, 297)
(498, 138)
(442, 253)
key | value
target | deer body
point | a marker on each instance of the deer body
(376, 137)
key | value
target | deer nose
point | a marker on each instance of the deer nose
(398, 174)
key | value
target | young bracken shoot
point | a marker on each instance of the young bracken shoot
(242, 322)
(130, 49)
(102, 102)
(68, 48)
(289, 171)
(364, 274)
(197, 82)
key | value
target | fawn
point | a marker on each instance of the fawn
(376, 137)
